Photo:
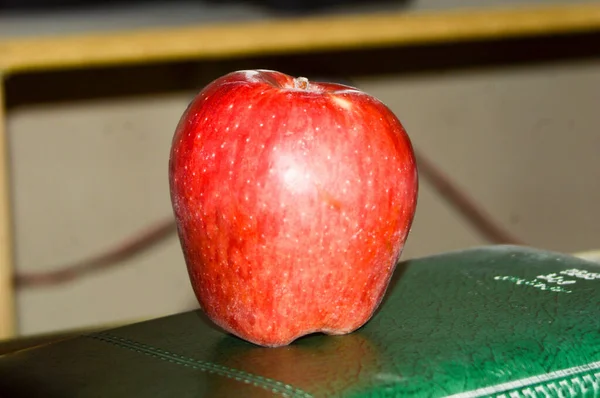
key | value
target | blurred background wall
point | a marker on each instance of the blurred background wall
(89, 153)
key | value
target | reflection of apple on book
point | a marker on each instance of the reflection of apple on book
(317, 365)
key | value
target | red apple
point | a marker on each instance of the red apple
(293, 202)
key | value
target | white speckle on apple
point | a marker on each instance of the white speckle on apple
(230, 106)
(250, 106)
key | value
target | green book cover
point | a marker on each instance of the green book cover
(494, 321)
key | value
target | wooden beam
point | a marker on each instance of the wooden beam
(294, 35)
(7, 311)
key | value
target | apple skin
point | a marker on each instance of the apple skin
(293, 201)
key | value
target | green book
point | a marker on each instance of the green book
(495, 321)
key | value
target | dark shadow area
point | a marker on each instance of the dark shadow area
(203, 318)
(401, 268)
(58, 5)
(146, 80)
(281, 6)
(303, 7)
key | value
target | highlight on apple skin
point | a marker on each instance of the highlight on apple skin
(293, 201)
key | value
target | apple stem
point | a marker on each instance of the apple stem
(301, 83)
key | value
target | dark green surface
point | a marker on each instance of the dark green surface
(491, 321)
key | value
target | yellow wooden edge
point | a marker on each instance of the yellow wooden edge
(591, 255)
(292, 35)
(7, 311)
